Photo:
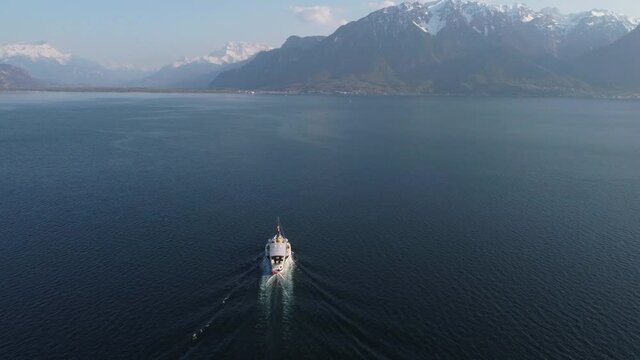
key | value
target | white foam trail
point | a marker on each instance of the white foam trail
(276, 296)
(276, 293)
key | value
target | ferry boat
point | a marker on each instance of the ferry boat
(278, 251)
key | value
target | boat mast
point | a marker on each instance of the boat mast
(279, 228)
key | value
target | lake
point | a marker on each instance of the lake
(133, 226)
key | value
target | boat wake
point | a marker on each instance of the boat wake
(274, 302)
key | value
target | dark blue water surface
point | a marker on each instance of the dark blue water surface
(132, 225)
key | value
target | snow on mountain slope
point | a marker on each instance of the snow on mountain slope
(34, 52)
(533, 32)
(232, 52)
(198, 72)
(45, 62)
(433, 16)
(598, 17)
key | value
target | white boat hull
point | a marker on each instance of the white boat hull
(278, 252)
(278, 259)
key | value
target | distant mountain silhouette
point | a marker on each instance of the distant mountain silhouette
(614, 66)
(49, 64)
(198, 72)
(14, 78)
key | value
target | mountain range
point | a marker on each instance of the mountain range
(437, 47)
(198, 72)
(43, 61)
(58, 69)
(452, 46)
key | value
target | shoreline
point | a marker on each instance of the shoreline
(123, 90)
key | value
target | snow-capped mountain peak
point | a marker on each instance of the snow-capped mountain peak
(34, 52)
(44, 62)
(231, 53)
(540, 32)
(600, 17)
(238, 51)
(431, 17)
(521, 12)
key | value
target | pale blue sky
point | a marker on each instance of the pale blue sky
(151, 33)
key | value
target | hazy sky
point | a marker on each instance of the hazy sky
(151, 33)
